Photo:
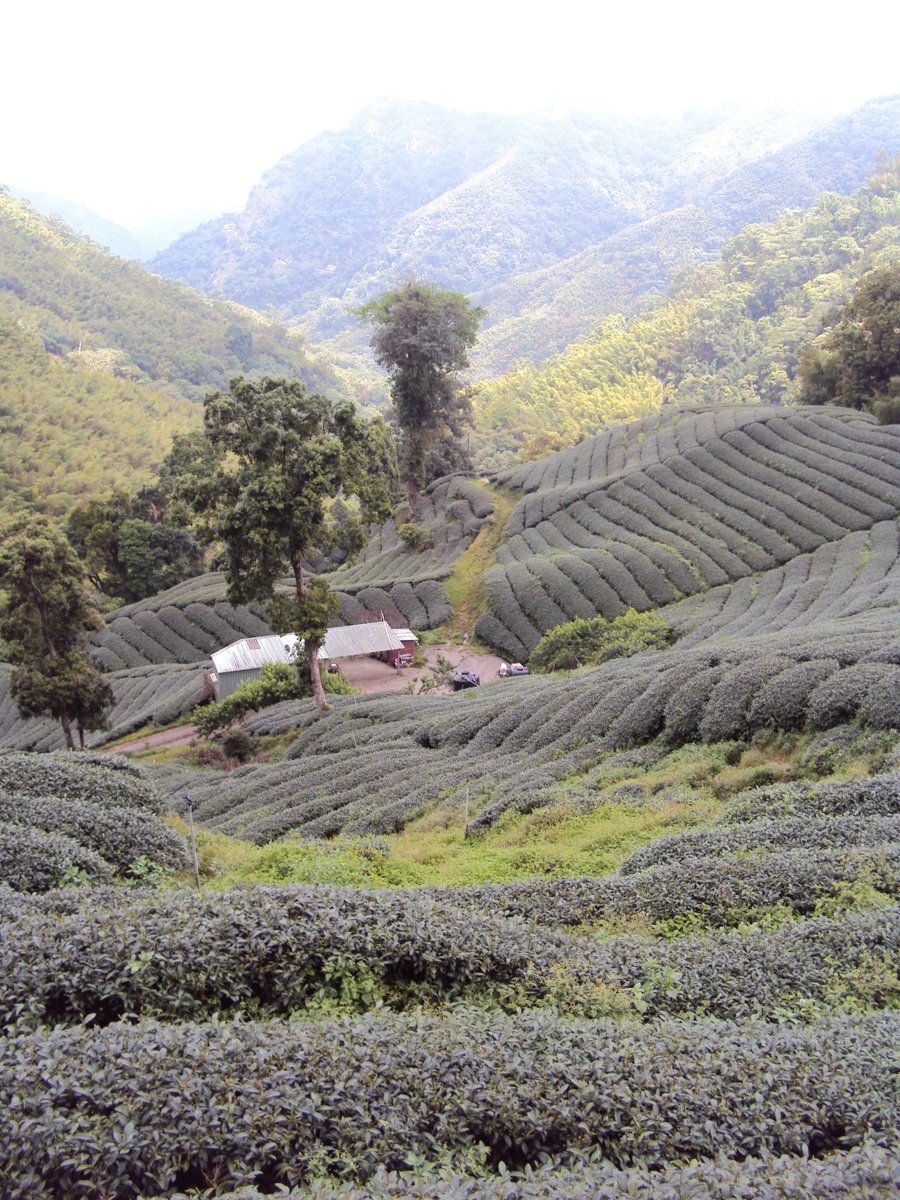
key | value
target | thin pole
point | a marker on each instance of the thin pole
(466, 826)
(190, 804)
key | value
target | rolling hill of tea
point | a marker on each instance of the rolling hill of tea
(766, 539)
(706, 1008)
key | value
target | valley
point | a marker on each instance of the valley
(624, 925)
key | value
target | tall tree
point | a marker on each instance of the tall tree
(859, 362)
(281, 455)
(45, 612)
(422, 336)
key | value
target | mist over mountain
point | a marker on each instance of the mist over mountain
(139, 243)
(551, 222)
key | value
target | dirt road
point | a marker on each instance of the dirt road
(367, 674)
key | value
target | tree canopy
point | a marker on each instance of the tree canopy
(422, 336)
(282, 455)
(129, 549)
(45, 612)
(859, 362)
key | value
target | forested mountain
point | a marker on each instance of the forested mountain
(731, 332)
(114, 237)
(68, 434)
(99, 361)
(550, 223)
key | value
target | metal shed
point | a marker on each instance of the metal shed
(244, 660)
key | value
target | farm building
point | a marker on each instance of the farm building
(244, 660)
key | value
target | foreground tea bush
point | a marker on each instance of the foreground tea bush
(148, 1109)
(70, 957)
(867, 1172)
(102, 780)
(34, 861)
(720, 892)
(123, 837)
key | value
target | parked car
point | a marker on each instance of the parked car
(508, 670)
(466, 679)
(403, 660)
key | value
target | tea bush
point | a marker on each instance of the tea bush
(179, 957)
(32, 860)
(867, 1172)
(121, 836)
(386, 1092)
(66, 776)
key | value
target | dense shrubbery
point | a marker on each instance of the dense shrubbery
(385, 1092)
(92, 778)
(123, 837)
(867, 1172)
(278, 682)
(328, 949)
(587, 643)
(32, 860)
(867, 797)
(720, 892)
(789, 834)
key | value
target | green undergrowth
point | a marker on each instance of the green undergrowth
(593, 822)
(465, 587)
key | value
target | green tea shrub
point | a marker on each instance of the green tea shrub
(353, 950)
(391, 1092)
(878, 795)
(67, 776)
(719, 891)
(32, 860)
(121, 836)
(867, 1172)
(788, 834)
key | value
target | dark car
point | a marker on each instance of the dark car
(466, 679)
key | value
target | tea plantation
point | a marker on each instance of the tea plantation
(648, 941)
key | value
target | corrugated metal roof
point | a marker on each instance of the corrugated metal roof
(345, 641)
(250, 653)
(341, 641)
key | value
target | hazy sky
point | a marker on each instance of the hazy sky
(136, 108)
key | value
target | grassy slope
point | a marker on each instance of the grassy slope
(580, 834)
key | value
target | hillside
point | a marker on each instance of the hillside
(626, 931)
(68, 433)
(732, 330)
(550, 223)
(99, 361)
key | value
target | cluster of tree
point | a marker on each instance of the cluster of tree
(422, 336)
(45, 613)
(587, 642)
(128, 547)
(857, 363)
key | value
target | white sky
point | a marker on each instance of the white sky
(135, 108)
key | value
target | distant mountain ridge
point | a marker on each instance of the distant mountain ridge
(518, 212)
(140, 242)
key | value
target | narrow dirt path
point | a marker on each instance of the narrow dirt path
(180, 735)
(466, 587)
